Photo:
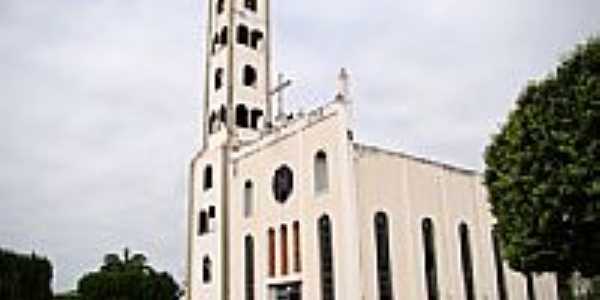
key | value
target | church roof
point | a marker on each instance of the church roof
(359, 147)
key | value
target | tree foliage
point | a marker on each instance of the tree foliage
(24, 277)
(543, 170)
(127, 279)
(70, 295)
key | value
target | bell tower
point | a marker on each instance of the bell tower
(236, 99)
(236, 108)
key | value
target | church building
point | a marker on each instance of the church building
(288, 206)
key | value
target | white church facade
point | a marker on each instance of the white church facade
(290, 206)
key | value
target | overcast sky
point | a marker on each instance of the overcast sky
(100, 101)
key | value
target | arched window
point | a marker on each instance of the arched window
(218, 78)
(384, 270)
(248, 198)
(271, 236)
(467, 261)
(321, 175)
(250, 76)
(255, 38)
(430, 259)
(284, 250)
(249, 267)
(500, 280)
(251, 5)
(241, 116)
(297, 253)
(326, 258)
(220, 6)
(530, 286)
(208, 180)
(206, 270)
(243, 35)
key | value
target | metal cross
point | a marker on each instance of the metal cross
(281, 86)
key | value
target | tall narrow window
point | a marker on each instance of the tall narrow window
(271, 234)
(223, 114)
(220, 6)
(430, 259)
(467, 261)
(206, 270)
(284, 250)
(255, 116)
(249, 267)
(251, 5)
(500, 280)
(212, 123)
(248, 198)
(208, 174)
(243, 35)
(326, 258)
(241, 116)
(530, 287)
(223, 38)
(203, 223)
(297, 253)
(382, 243)
(218, 78)
(255, 38)
(249, 76)
(321, 177)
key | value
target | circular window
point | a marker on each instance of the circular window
(283, 183)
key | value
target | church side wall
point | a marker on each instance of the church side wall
(408, 190)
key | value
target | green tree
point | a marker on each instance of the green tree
(127, 279)
(24, 277)
(543, 170)
(70, 295)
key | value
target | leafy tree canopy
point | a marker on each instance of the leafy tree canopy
(127, 279)
(543, 170)
(24, 276)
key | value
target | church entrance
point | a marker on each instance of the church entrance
(286, 291)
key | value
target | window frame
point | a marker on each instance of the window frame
(207, 178)
(251, 5)
(248, 198)
(271, 264)
(220, 7)
(326, 257)
(206, 270)
(249, 76)
(297, 247)
(321, 176)
(383, 265)
(430, 259)
(467, 266)
(249, 267)
(242, 35)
